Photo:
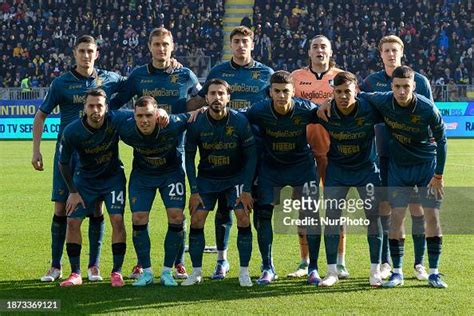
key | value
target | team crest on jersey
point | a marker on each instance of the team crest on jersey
(255, 75)
(229, 130)
(415, 119)
(134, 199)
(360, 121)
(297, 120)
(174, 78)
(109, 130)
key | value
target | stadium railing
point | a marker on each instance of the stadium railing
(20, 94)
(453, 92)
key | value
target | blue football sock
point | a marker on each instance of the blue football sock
(374, 238)
(385, 220)
(331, 243)
(58, 237)
(223, 224)
(74, 254)
(118, 252)
(141, 242)
(263, 225)
(314, 245)
(434, 250)
(397, 249)
(197, 243)
(244, 245)
(180, 253)
(173, 242)
(419, 240)
(96, 234)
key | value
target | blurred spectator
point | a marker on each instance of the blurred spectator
(37, 37)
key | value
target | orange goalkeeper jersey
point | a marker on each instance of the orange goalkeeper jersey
(316, 88)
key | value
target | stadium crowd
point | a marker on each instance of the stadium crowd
(37, 36)
(437, 34)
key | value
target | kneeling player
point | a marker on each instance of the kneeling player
(352, 161)
(156, 165)
(226, 167)
(100, 177)
(415, 161)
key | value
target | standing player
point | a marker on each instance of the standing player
(99, 178)
(67, 92)
(226, 167)
(391, 50)
(352, 159)
(156, 165)
(415, 160)
(248, 80)
(287, 160)
(314, 83)
(171, 89)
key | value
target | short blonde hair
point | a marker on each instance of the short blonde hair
(391, 39)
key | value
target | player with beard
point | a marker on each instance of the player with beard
(248, 80)
(226, 167)
(171, 87)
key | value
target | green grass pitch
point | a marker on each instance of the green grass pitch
(25, 217)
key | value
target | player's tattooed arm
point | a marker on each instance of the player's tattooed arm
(74, 199)
(324, 111)
(174, 65)
(195, 103)
(194, 202)
(162, 118)
(67, 176)
(247, 202)
(193, 115)
(436, 186)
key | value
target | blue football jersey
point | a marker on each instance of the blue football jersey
(249, 84)
(223, 147)
(352, 136)
(381, 82)
(284, 136)
(153, 154)
(171, 91)
(68, 92)
(412, 129)
(97, 148)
